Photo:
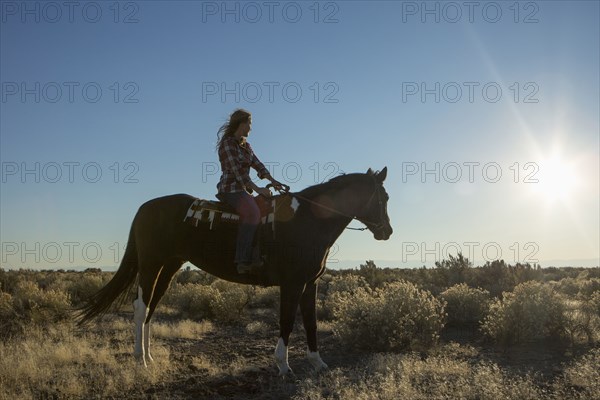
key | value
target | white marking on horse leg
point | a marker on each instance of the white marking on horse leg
(147, 355)
(281, 357)
(315, 359)
(140, 312)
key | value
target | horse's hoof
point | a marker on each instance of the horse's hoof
(141, 361)
(322, 368)
(315, 360)
(286, 372)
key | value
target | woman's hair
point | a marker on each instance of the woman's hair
(228, 128)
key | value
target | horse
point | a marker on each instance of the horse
(295, 254)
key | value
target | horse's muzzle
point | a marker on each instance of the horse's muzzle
(383, 233)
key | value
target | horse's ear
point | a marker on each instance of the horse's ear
(370, 171)
(382, 175)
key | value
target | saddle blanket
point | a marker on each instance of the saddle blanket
(214, 212)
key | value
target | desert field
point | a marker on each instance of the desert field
(494, 331)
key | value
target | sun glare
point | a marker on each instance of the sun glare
(557, 180)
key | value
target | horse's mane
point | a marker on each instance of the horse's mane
(337, 182)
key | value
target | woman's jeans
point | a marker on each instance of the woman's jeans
(249, 212)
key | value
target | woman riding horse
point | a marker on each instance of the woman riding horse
(234, 187)
(160, 242)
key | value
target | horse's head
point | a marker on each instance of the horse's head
(374, 213)
(358, 196)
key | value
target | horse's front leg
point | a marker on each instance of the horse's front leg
(289, 298)
(308, 303)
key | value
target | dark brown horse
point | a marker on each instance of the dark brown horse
(295, 253)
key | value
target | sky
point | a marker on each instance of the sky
(485, 113)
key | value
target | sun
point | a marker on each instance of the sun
(556, 180)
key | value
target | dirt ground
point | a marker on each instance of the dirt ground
(248, 369)
(248, 362)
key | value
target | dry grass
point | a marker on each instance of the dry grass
(212, 366)
(259, 327)
(57, 363)
(449, 372)
(442, 376)
(185, 329)
(205, 364)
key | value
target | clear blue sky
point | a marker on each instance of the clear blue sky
(407, 85)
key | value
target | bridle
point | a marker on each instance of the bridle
(375, 225)
(380, 224)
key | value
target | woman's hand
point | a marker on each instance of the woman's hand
(277, 185)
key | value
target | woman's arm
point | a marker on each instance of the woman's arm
(263, 173)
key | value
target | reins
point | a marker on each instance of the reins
(333, 210)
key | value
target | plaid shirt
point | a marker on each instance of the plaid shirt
(236, 160)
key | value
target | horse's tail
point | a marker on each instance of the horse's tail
(116, 290)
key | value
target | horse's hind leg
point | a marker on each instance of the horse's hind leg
(147, 280)
(162, 284)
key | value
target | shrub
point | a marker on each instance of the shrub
(347, 283)
(337, 287)
(230, 300)
(532, 311)
(494, 277)
(80, 287)
(5, 303)
(583, 318)
(581, 379)
(465, 306)
(8, 326)
(594, 303)
(455, 269)
(193, 275)
(568, 286)
(376, 277)
(265, 297)
(589, 288)
(191, 301)
(41, 306)
(392, 318)
(223, 301)
(30, 305)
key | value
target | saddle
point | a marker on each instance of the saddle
(280, 208)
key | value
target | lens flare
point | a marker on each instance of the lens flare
(558, 180)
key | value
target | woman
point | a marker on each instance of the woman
(234, 187)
